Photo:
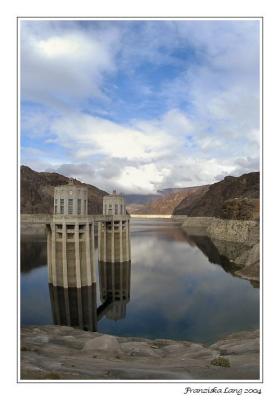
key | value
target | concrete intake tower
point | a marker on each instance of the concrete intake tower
(71, 239)
(71, 267)
(114, 231)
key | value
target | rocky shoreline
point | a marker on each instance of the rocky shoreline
(238, 240)
(52, 352)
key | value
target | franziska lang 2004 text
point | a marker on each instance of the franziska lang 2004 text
(216, 390)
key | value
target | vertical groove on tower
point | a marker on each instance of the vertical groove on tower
(54, 254)
(64, 255)
(88, 264)
(77, 256)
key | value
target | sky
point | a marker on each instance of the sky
(143, 105)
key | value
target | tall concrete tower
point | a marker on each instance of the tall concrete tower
(71, 239)
(114, 230)
(71, 266)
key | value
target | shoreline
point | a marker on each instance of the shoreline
(232, 233)
(52, 352)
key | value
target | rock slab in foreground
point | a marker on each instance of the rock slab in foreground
(59, 352)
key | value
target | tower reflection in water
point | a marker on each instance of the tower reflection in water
(71, 255)
(114, 281)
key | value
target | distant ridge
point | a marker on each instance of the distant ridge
(170, 198)
(231, 198)
(37, 189)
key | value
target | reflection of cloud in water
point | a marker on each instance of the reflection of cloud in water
(175, 291)
(163, 255)
(178, 283)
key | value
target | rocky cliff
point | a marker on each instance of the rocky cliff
(37, 190)
(236, 240)
(228, 212)
(232, 198)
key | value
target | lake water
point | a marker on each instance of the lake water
(175, 291)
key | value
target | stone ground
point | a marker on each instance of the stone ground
(60, 352)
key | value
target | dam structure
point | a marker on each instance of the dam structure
(71, 258)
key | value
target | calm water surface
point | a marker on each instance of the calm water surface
(176, 292)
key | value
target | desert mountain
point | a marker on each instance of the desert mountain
(231, 198)
(170, 199)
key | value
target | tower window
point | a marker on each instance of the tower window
(79, 206)
(121, 208)
(116, 209)
(70, 206)
(61, 206)
(85, 206)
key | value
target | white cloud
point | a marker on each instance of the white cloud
(207, 122)
(58, 66)
(144, 156)
(142, 179)
(141, 140)
(40, 160)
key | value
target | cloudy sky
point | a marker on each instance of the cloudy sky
(140, 105)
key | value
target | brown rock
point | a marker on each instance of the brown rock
(231, 198)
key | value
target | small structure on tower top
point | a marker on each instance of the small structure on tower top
(114, 204)
(114, 243)
(71, 199)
